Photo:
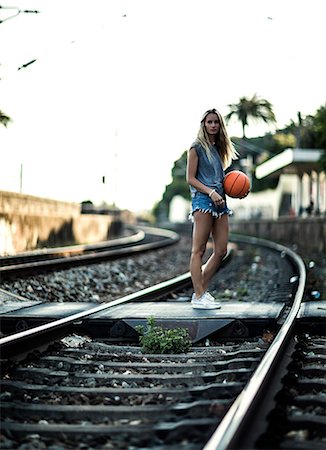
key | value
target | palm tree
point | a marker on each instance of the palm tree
(4, 119)
(251, 108)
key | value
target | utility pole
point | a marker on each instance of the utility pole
(115, 170)
(298, 133)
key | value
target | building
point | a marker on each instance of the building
(306, 188)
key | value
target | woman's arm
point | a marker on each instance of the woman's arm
(192, 164)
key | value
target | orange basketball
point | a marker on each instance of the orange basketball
(236, 184)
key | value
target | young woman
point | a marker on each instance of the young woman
(209, 155)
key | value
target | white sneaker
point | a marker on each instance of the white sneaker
(210, 297)
(206, 301)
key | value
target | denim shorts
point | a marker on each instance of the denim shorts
(202, 202)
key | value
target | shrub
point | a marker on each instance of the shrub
(160, 340)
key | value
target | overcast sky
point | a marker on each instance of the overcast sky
(118, 87)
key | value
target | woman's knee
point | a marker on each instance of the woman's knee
(220, 252)
(198, 250)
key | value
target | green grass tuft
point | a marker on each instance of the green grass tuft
(158, 340)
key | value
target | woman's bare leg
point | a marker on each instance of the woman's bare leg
(220, 234)
(203, 223)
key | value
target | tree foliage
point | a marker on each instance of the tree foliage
(253, 108)
(178, 186)
(4, 119)
(319, 127)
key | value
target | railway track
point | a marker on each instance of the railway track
(140, 240)
(90, 385)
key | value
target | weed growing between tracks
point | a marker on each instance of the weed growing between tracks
(158, 340)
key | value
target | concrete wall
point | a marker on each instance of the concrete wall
(308, 235)
(14, 203)
(28, 222)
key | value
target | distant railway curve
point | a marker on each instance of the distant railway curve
(141, 240)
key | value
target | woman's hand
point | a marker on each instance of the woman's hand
(217, 199)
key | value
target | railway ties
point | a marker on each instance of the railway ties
(298, 419)
(118, 394)
(96, 389)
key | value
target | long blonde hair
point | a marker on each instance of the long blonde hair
(225, 147)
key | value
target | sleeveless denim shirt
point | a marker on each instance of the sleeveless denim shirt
(209, 173)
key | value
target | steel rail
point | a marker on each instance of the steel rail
(12, 342)
(232, 424)
(10, 345)
(168, 237)
(228, 430)
(137, 236)
(28, 338)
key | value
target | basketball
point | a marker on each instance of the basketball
(236, 184)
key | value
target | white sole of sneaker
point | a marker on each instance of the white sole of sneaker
(206, 307)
